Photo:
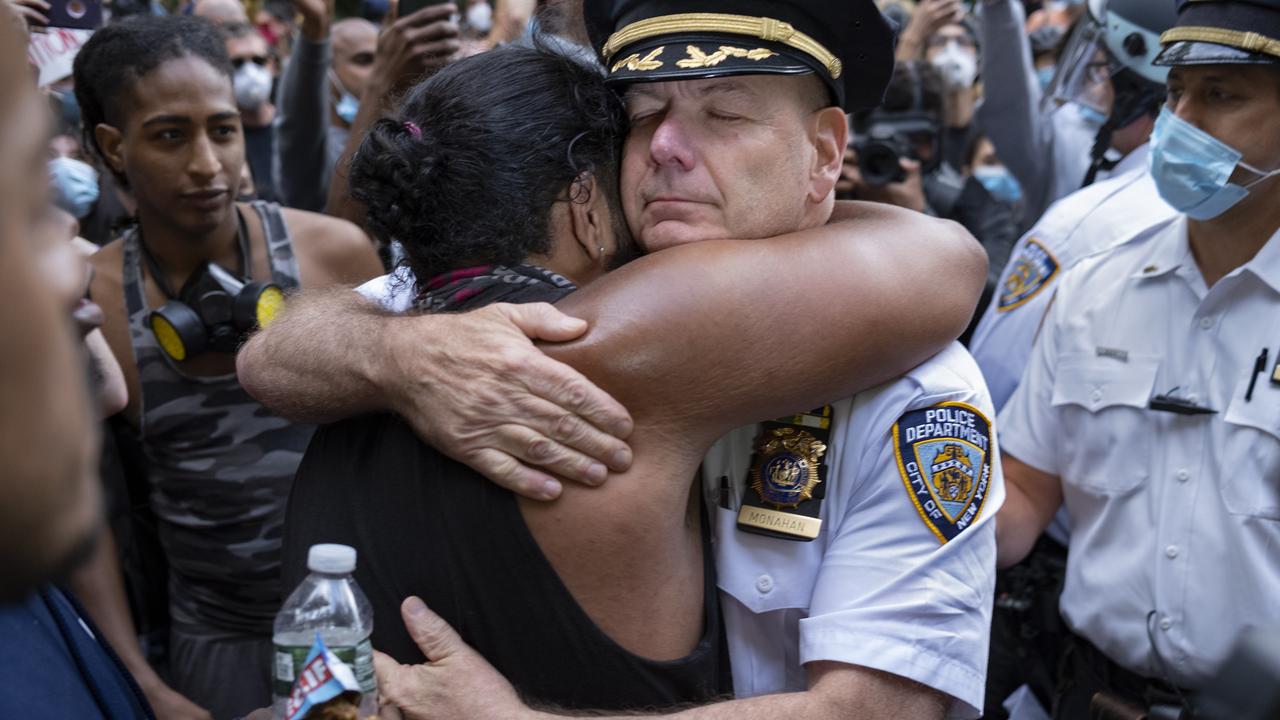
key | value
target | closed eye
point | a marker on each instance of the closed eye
(725, 117)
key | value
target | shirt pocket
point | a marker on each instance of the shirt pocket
(765, 573)
(1250, 471)
(1106, 436)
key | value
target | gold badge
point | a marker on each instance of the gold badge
(787, 468)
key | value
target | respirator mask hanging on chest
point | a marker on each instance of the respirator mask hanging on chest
(214, 311)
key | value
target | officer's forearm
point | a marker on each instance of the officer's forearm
(1031, 499)
(320, 360)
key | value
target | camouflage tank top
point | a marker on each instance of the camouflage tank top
(219, 465)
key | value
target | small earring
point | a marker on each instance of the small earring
(601, 249)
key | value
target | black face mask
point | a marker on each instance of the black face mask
(215, 311)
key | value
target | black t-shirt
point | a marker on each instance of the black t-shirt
(426, 525)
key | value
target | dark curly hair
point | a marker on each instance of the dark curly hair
(495, 140)
(119, 55)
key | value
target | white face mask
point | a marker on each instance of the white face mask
(480, 17)
(958, 66)
(252, 85)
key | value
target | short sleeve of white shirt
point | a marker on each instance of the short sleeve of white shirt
(886, 593)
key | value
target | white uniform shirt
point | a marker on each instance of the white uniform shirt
(1083, 223)
(1177, 514)
(877, 588)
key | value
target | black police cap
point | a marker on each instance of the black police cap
(847, 43)
(1223, 32)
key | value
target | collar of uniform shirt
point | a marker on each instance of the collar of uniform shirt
(1266, 264)
(1168, 255)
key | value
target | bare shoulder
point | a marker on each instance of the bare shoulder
(330, 250)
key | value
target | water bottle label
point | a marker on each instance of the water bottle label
(362, 666)
(284, 667)
(291, 658)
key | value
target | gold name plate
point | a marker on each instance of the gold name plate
(780, 522)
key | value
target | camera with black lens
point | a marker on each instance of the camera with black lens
(885, 138)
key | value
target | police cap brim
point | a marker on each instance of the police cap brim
(848, 45)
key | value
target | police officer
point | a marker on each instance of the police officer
(1025, 628)
(1149, 404)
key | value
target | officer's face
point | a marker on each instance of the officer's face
(1237, 104)
(737, 157)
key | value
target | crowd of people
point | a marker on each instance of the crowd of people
(486, 291)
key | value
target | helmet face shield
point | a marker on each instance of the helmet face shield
(1084, 70)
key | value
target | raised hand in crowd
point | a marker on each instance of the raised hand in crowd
(317, 16)
(412, 46)
(408, 48)
(33, 12)
(930, 16)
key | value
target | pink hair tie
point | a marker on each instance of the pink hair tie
(413, 129)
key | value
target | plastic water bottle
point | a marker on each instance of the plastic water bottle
(328, 601)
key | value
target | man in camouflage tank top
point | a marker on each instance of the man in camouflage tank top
(156, 94)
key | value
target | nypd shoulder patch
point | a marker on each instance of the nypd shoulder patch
(944, 457)
(1032, 269)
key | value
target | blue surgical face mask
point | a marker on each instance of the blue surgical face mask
(347, 107)
(75, 185)
(999, 182)
(1045, 76)
(348, 104)
(1092, 116)
(1192, 169)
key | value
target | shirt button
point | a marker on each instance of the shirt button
(1171, 552)
(1096, 395)
(1183, 475)
(764, 584)
(1165, 624)
(1206, 323)
(1193, 397)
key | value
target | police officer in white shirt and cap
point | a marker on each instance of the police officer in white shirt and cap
(1151, 404)
(886, 567)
